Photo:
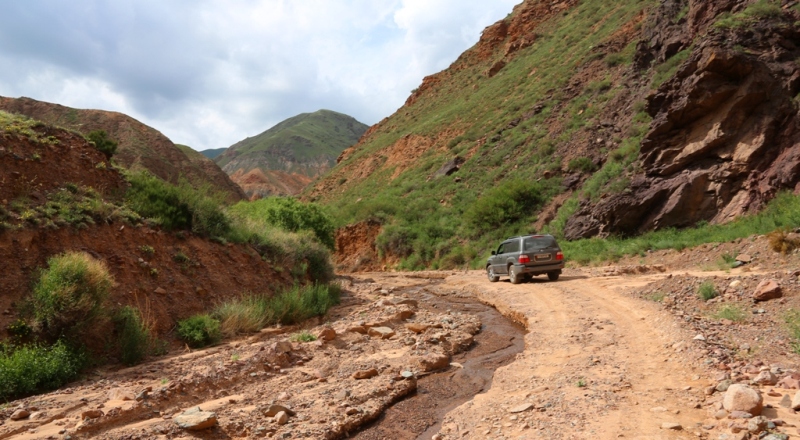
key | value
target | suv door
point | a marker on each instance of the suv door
(498, 260)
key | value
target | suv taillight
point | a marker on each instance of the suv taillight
(524, 259)
(559, 256)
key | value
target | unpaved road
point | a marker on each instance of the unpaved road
(597, 363)
(594, 366)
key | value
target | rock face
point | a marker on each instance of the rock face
(723, 141)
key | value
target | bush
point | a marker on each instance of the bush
(396, 240)
(295, 250)
(70, 294)
(783, 241)
(134, 338)
(35, 368)
(507, 203)
(102, 142)
(303, 336)
(707, 291)
(582, 164)
(199, 331)
(291, 215)
(731, 312)
(177, 206)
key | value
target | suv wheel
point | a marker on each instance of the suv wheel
(491, 275)
(553, 276)
(514, 276)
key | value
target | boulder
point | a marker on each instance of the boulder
(743, 398)
(274, 409)
(417, 327)
(766, 290)
(365, 374)
(281, 418)
(195, 419)
(433, 361)
(327, 334)
(20, 414)
(765, 378)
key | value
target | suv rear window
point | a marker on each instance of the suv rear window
(536, 243)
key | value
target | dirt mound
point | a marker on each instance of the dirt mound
(139, 146)
(32, 169)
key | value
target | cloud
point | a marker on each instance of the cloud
(209, 73)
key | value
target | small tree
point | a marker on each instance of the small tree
(102, 142)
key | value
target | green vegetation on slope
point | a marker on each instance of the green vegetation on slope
(305, 137)
(508, 134)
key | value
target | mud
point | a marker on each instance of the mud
(420, 415)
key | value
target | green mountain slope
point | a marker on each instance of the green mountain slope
(212, 153)
(581, 118)
(299, 148)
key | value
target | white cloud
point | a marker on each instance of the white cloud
(209, 73)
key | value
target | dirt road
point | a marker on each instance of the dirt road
(595, 365)
(598, 362)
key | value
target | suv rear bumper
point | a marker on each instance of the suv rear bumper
(538, 270)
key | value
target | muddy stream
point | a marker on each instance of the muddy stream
(419, 416)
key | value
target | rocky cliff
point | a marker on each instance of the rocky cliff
(139, 146)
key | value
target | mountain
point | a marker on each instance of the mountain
(212, 153)
(583, 119)
(285, 158)
(140, 146)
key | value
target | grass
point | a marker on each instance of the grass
(760, 10)
(707, 291)
(730, 312)
(34, 369)
(135, 338)
(22, 126)
(792, 320)
(251, 313)
(656, 297)
(199, 330)
(303, 336)
(783, 212)
(70, 295)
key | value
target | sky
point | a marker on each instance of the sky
(209, 73)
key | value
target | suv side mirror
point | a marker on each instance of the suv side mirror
(494, 253)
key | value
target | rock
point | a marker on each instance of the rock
(790, 383)
(742, 398)
(342, 395)
(734, 284)
(406, 374)
(195, 419)
(786, 401)
(721, 414)
(765, 378)
(766, 290)
(381, 332)
(744, 258)
(417, 327)
(327, 334)
(160, 291)
(274, 409)
(38, 415)
(757, 424)
(351, 411)
(357, 329)
(699, 338)
(365, 374)
(776, 436)
(796, 401)
(408, 302)
(521, 408)
(20, 414)
(433, 361)
(91, 414)
(672, 426)
(281, 418)
(280, 347)
(740, 415)
(121, 394)
(403, 315)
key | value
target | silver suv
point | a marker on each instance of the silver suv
(523, 257)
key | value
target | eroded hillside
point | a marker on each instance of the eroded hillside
(582, 119)
(140, 146)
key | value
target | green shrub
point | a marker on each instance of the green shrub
(177, 207)
(792, 320)
(507, 203)
(730, 312)
(133, 335)
(707, 291)
(36, 368)
(396, 240)
(247, 314)
(70, 294)
(582, 164)
(291, 215)
(102, 142)
(288, 249)
(199, 331)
